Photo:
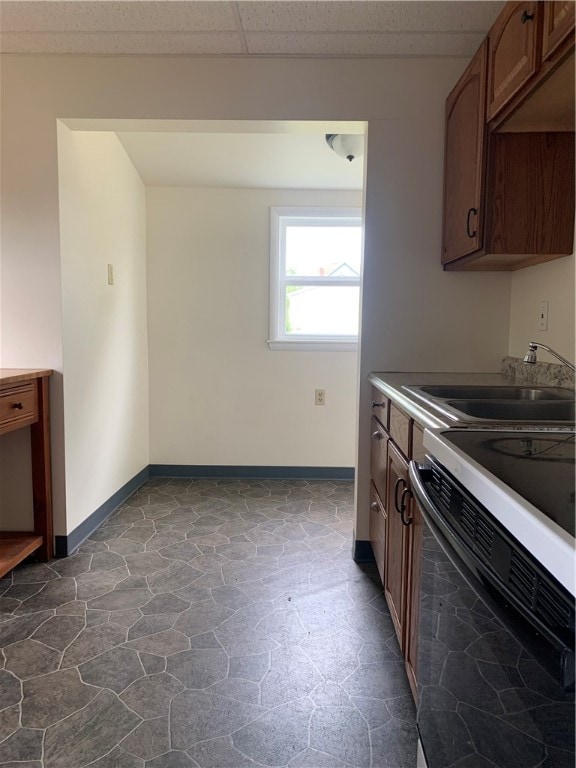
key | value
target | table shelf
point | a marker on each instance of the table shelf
(15, 547)
(24, 402)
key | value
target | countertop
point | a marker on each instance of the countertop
(14, 375)
(551, 545)
(391, 383)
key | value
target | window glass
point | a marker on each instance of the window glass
(315, 270)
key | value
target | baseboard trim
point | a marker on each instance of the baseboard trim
(250, 472)
(65, 545)
(362, 552)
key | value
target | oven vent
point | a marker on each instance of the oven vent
(529, 588)
(554, 610)
(442, 489)
(468, 520)
(522, 579)
(535, 593)
(484, 536)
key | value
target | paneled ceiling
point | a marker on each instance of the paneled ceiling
(246, 28)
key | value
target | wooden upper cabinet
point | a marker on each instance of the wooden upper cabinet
(514, 54)
(559, 19)
(464, 161)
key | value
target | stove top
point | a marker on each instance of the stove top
(525, 479)
(539, 466)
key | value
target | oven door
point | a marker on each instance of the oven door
(487, 693)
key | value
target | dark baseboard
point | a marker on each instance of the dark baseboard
(269, 473)
(362, 552)
(65, 545)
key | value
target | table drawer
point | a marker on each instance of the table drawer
(18, 406)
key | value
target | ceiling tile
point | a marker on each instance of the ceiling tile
(391, 16)
(365, 44)
(122, 16)
(137, 43)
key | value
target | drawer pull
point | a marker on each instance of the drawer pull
(378, 405)
(399, 482)
(377, 435)
(17, 406)
(374, 506)
(405, 492)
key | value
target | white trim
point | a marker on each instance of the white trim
(312, 216)
(311, 345)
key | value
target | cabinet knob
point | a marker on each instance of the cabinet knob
(374, 506)
(17, 406)
(471, 212)
(377, 435)
(526, 17)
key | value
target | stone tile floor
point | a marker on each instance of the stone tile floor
(206, 624)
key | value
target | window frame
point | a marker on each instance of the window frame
(280, 218)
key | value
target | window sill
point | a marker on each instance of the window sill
(312, 345)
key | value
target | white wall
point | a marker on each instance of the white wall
(415, 316)
(102, 221)
(218, 395)
(552, 282)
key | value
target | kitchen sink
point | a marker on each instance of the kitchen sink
(509, 403)
(471, 392)
(516, 410)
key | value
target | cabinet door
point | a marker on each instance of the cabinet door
(397, 539)
(513, 53)
(413, 599)
(378, 456)
(464, 154)
(559, 20)
(377, 529)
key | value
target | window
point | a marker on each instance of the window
(315, 267)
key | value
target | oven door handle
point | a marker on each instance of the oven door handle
(419, 474)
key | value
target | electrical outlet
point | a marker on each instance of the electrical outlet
(543, 316)
(319, 397)
(110, 274)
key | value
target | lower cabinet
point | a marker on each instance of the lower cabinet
(377, 529)
(395, 526)
(397, 540)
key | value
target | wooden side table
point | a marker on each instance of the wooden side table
(24, 401)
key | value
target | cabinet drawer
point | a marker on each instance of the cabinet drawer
(18, 406)
(418, 450)
(378, 455)
(377, 529)
(380, 407)
(400, 430)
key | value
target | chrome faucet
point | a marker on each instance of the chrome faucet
(530, 356)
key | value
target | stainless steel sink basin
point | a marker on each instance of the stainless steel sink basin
(516, 410)
(510, 403)
(512, 392)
